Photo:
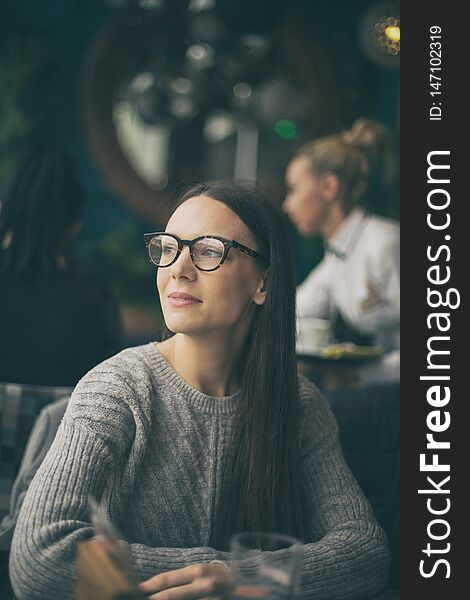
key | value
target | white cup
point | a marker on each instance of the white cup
(312, 334)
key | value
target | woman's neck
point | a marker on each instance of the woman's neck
(333, 220)
(211, 365)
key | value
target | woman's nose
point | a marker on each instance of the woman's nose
(183, 265)
(285, 206)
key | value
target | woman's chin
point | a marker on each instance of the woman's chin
(307, 231)
(180, 324)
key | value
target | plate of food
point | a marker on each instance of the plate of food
(347, 350)
(344, 352)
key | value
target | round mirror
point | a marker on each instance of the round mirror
(171, 97)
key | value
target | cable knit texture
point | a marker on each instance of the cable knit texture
(149, 446)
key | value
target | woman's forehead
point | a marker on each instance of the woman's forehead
(298, 167)
(203, 215)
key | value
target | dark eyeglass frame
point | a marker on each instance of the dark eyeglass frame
(190, 243)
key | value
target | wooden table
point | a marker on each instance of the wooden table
(332, 373)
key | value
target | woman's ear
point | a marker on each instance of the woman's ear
(261, 291)
(330, 186)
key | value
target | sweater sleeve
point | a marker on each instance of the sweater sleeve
(349, 556)
(85, 460)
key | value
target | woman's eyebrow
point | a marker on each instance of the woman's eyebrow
(206, 234)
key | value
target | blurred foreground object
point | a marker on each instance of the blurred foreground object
(99, 577)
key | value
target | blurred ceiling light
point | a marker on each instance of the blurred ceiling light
(182, 107)
(242, 91)
(197, 5)
(379, 34)
(255, 46)
(181, 85)
(201, 56)
(151, 106)
(387, 35)
(183, 102)
(161, 99)
(276, 99)
(151, 4)
(218, 126)
(142, 82)
(204, 23)
(393, 33)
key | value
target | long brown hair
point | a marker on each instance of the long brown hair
(260, 489)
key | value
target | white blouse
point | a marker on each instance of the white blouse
(360, 278)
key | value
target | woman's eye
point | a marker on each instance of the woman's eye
(210, 252)
(168, 250)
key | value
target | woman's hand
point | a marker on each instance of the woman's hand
(212, 580)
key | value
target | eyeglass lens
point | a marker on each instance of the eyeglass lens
(207, 253)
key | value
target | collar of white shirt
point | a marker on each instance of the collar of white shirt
(344, 239)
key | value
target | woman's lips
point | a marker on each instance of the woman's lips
(179, 299)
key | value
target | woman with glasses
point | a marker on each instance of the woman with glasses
(207, 433)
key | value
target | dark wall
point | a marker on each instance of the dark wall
(365, 89)
(64, 29)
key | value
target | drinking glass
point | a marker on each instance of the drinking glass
(266, 565)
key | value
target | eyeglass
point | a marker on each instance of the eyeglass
(207, 252)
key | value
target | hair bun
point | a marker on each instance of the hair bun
(366, 135)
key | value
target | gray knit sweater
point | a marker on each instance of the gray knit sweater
(149, 445)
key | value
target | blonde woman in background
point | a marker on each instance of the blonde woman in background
(358, 281)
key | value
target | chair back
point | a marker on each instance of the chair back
(20, 406)
(369, 426)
